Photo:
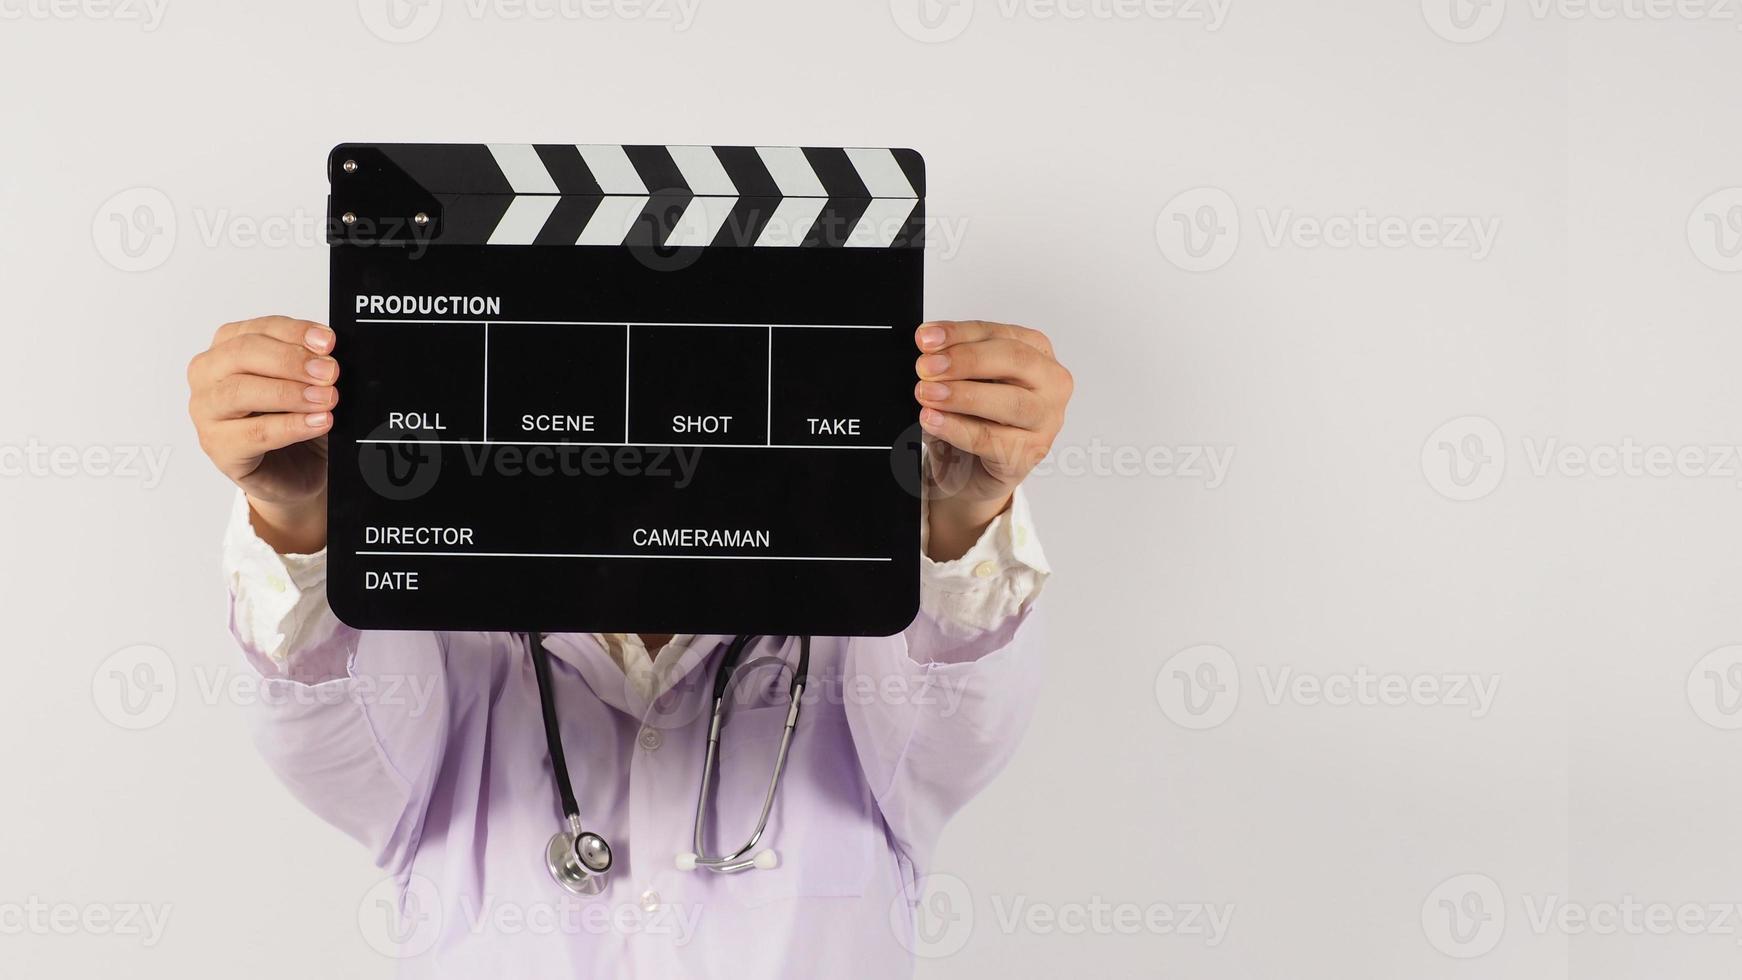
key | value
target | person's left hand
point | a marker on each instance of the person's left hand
(992, 398)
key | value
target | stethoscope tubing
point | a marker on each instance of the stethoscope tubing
(568, 867)
(738, 860)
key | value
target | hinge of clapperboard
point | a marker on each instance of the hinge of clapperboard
(663, 197)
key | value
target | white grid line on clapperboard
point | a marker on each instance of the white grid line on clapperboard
(628, 329)
(656, 557)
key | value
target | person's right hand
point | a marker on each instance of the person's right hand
(261, 397)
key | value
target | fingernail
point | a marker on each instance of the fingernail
(931, 391)
(930, 337)
(318, 394)
(322, 368)
(318, 339)
(319, 420)
(934, 364)
(931, 418)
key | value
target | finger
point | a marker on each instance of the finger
(1002, 449)
(996, 359)
(256, 353)
(1006, 404)
(238, 396)
(939, 334)
(314, 336)
(261, 434)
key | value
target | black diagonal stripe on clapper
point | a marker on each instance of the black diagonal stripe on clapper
(568, 220)
(567, 168)
(913, 166)
(758, 195)
(668, 195)
(912, 234)
(468, 219)
(848, 198)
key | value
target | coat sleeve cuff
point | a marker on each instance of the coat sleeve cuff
(279, 601)
(996, 581)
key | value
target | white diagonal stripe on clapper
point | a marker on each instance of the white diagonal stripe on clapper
(612, 169)
(525, 171)
(702, 170)
(524, 219)
(881, 222)
(881, 173)
(791, 221)
(791, 171)
(610, 224)
(701, 221)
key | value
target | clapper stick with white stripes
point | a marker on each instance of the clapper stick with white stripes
(666, 196)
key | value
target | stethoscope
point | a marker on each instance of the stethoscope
(580, 859)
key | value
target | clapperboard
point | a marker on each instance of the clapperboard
(625, 388)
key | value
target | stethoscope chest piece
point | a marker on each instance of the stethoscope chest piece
(578, 860)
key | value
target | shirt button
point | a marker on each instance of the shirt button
(276, 583)
(650, 901)
(1021, 535)
(651, 739)
(985, 570)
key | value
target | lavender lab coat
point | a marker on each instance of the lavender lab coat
(428, 748)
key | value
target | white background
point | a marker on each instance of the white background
(1064, 154)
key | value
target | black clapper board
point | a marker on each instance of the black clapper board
(610, 388)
